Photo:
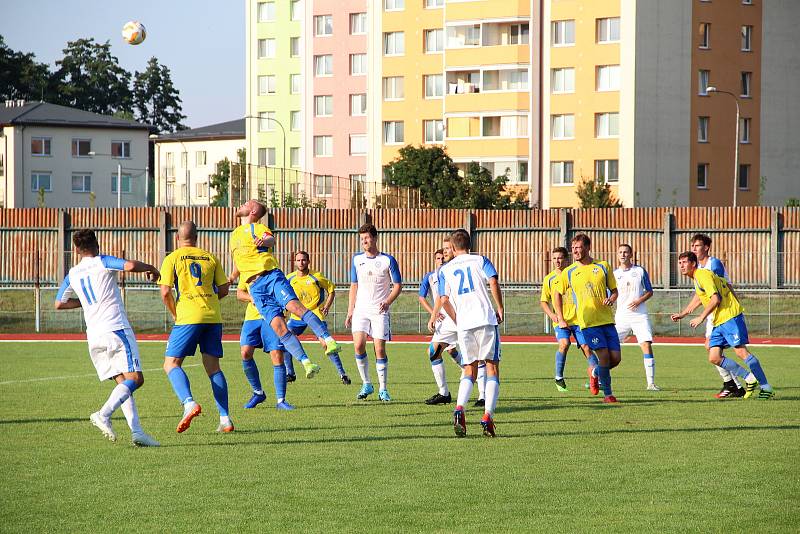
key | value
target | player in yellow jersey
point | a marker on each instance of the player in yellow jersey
(549, 285)
(199, 283)
(251, 246)
(729, 330)
(316, 293)
(592, 285)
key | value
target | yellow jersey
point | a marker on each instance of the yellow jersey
(706, 283)
(310, 290)
(251, 312)
(590, 285)
(549, 285)
(195, 275)
(249, 259)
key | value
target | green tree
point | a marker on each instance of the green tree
(21, 76)
(793, 202)
(485, 192)
(156, 99)
(90, 78)
(432, 171)
(593, 194)
(221, 177)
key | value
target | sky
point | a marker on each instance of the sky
(201, 41)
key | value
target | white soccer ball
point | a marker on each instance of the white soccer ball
(133, 32)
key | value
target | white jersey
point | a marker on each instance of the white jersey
(631, 284)
(374, 276)
(463, 280)
(94, 283)
(430, 284)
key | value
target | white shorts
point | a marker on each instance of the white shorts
(638, 324)
(449, 338)
(481, 343)
(114, 353)
(375, 325)
(709, 325)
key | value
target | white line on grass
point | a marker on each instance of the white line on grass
(7, 382)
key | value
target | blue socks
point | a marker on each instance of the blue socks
(755, 368)
(592, 361)
(288, 363)
(735, 369)
(337, 362)
(252, 375)
(180, 384)
(319, 328)
(279, 378)
(130, 384)
(293, 346)
(604, 374)
(561, 360)
(219, 386)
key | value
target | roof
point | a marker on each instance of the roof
(46, 114)
(223, 130)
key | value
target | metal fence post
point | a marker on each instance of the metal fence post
(666, 250)
(565, 226)
(774, 249)
(64, 247)
(37, 296)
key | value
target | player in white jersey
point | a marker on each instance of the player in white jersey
(92, 285)
(700, 245)
(635, 289)
(464, 296)
(375, 283)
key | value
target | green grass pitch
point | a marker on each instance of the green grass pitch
(677, 460)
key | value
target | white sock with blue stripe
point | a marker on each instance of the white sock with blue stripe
(481, 380)
(131, 414)
(464, 391)
(362, 362)
(492, 393)
(118, 395)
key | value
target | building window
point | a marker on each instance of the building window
(434, 85)
(704, 34)
(266, 121)
(744, 130)
(271, 156)
(40, 146)
(200, 158)
(294, 121)
(505, 80)
(125, 179)
(434, 131)
(266, 48)
(121, 149)
(358, 64)
(323, 146)
(394, 43)
(563, 80)
(294, 156)
(323, 65)
(393, 132)
(358, 145)
(520, 34)
(394, 88)
(169, 163)
(266, 85)
(747, 77)
(266, 11)
(201, 189)
(266, 156)
(608, 78)
(323, 185)
(358, 105)
(41, 180)
(295, 81)
(561, 172)
(358, 23)
(608, 30)
(747, 2)
(294, 46)
(184, 160)
(562, 126)
(463, 36)
(523, 171)
(323, 105)
(81, 183)
(606, 125)
(505, 126)
(434, 40)
(295, 10)
(702, 175)
(394, 5)
(747, 38)
(81, 148)
(703, 79)
(323, 25)
(606, 171)
(744, 176)
(433, 3)
(702, 129)
(563, 32)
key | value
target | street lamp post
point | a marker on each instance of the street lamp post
(119, 177)
(736, 141)
(283, 166)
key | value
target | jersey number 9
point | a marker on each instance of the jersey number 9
(197, 272)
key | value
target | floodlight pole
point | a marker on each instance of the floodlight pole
(736, 141)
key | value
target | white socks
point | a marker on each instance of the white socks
(439, 375)
(363, 368)
(118, 395)
(481, 381)
(650, 370)
(464, 391)
(131, 414)
(492, 392)
(381, 367)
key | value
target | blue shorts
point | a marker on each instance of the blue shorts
(601, 337)
(731, 333)
(257, 334)
(271, 293)
(184, 338)
(574, 330)
(298, 326)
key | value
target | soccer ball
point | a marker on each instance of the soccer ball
(133, 32)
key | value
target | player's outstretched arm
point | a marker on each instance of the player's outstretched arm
(708, 310)
(135, 266)
(497, 295)
(68, 305)
(693, 304)
(169, 300)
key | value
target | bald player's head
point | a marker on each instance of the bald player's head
(187, 232)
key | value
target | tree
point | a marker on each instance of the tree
(596, 195)
(485, 192)
(21, 76)
(90, 78)
(221, 178)
(155, 98)
(430, 170)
